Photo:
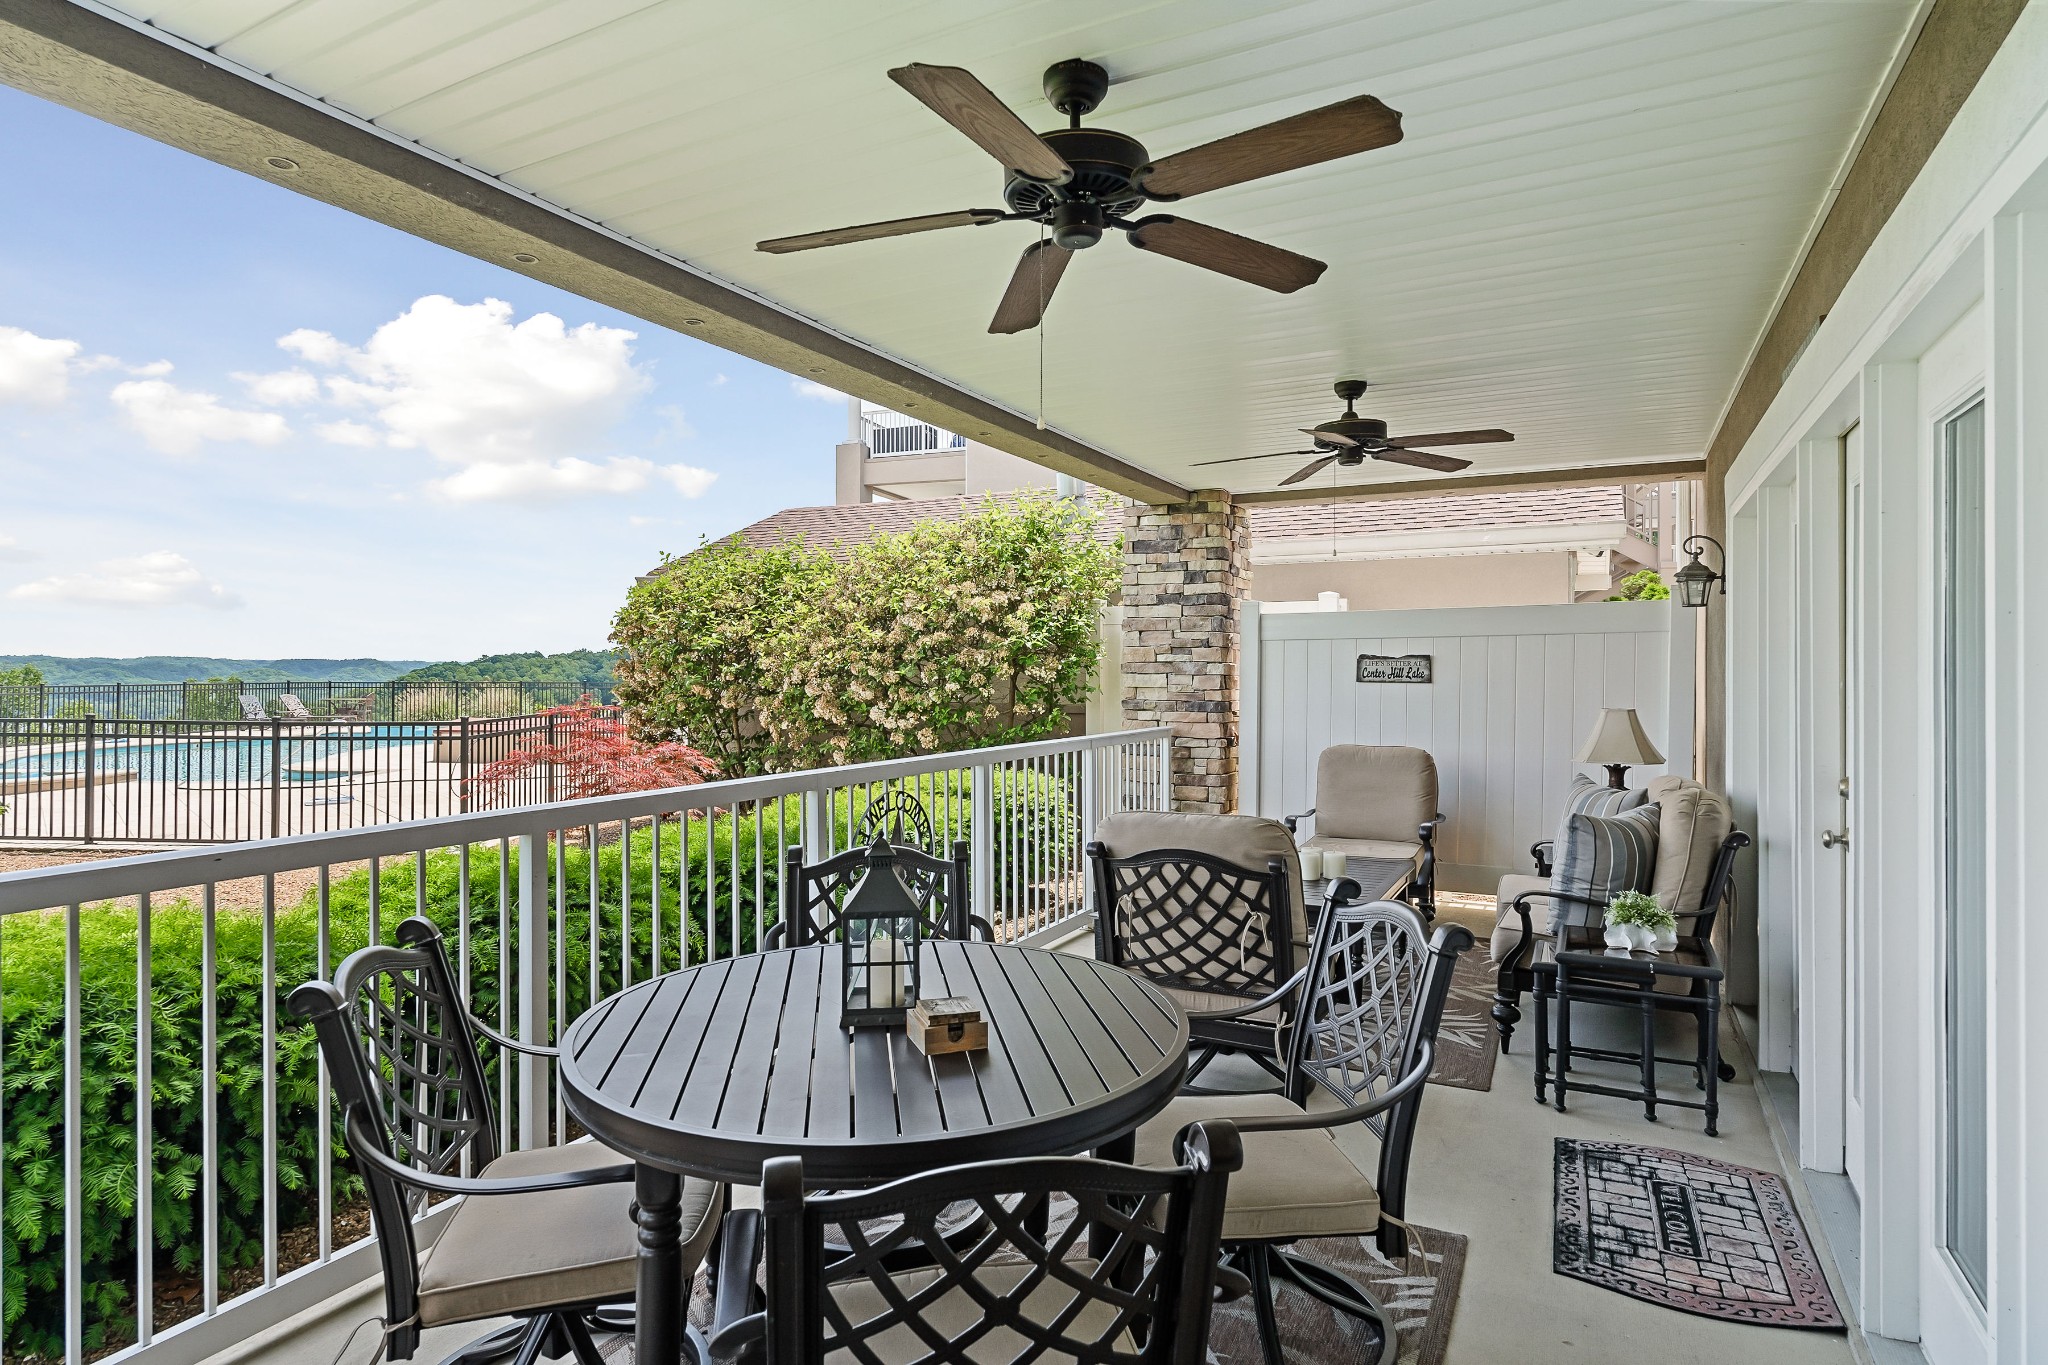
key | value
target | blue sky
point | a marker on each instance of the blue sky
(418, 472)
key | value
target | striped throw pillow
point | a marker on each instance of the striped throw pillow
(1601, 856)
(1588, 797)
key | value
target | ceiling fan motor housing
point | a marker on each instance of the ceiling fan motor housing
(1104, 164)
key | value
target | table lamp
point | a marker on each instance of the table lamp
(1618, 742)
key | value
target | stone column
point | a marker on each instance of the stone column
(1186, 569)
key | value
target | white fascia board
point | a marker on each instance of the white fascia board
(1459, 540)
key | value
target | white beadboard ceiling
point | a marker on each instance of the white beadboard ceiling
(1591, 214)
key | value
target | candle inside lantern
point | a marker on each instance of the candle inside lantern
(885, 971)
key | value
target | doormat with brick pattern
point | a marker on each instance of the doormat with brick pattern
(1688, 1232)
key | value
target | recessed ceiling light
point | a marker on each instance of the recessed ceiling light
(816, 370)
(280, 163)
(525, 258)
(693, 322)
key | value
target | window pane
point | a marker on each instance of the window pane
(1966, 1104)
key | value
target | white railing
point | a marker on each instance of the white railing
(891, 433)
(163, 976)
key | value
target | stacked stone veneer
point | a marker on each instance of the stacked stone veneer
(1186, 570)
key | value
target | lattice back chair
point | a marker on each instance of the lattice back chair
(814, 894)
(1371, 1003)
(1220, 934)
(1070, 1259)
(402, 1048)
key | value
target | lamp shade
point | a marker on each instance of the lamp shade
(1618, 738)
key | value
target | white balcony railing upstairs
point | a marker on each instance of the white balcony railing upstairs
(891, 433)
(164, 977)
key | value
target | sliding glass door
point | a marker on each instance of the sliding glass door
(1965, 1147)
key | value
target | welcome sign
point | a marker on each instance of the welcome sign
(1394, 668)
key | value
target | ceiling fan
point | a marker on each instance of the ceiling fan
(1350, 440)
(1079, 182)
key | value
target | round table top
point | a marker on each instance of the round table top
(712, 1070)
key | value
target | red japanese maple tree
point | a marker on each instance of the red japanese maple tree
(595, 757)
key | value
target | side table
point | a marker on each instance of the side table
(1577, 968)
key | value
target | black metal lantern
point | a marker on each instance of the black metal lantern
(878, 934)
(1696, 580)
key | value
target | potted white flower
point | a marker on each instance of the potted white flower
(1635, 920)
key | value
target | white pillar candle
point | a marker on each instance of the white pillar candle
(885, 974)
(1333, 863)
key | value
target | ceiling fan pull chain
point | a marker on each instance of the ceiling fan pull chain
(1040, 263)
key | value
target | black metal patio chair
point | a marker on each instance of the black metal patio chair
(1070, 1259)
(813, 894)
(1374, 994)
(546, 1235)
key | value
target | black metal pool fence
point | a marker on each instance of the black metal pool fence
(221, 699)
(94, 780)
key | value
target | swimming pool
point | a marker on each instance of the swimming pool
(204, 759)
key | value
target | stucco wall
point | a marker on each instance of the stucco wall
(1449, 581)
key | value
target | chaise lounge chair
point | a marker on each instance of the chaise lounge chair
(252, 709)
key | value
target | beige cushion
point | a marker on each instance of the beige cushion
(1507, 925)
(513, 1253)
(1248, 841)
(960, 1317)
(1294, 1184)
(1374, 791)
(1369, 848)
(1196, 1002)
(1694, 823)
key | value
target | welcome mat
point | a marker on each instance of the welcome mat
(1689, 1232)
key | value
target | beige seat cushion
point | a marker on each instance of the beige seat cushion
(1694, 823)
(1507, 925)
(514, 1253)
(1248, 841)
(1394, 849)
(1293, 1184)
(1374, 791)
(962, 1318)
(1198, 1002)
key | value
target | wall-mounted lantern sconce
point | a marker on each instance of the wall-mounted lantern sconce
(1696, 580)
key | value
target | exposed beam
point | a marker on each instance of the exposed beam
(1586, 476)
(162, 88)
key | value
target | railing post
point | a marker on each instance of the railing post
(1090, 818)
(462, 756)
(276, 778)
(981, 839)
(817, 824)
(90, 722)
(1165, 772)
(533, 987)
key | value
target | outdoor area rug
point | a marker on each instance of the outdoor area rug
(1689, 1232)
(1466, 1045)
(1420, 1292)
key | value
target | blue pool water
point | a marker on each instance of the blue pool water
(198, 759)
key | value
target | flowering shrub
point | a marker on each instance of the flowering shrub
(596, 757)
(946, 636)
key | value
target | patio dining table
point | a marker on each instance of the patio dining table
(712, 1070)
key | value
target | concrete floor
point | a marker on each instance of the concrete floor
(1482, 1168)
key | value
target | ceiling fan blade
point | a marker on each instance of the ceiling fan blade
(955, 95)
(1307, 471)
(1031, 284)
(1240, 459)
(1453, 438)
(1335, 438)
(1355, 125)
(1226, 253)
(868, 232)
(1422, 459)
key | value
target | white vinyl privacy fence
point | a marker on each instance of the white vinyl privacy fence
(1513, 693)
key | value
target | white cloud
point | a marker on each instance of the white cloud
(13, 551)
(678, 421)
(718, 379)
(319, 347)
(176, 421)
(34, 369)
(155, 369)
(346, 433)
(279, 387)
(542, 481)
(161, 579)
(811, 388)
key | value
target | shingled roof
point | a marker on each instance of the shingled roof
(835, 529)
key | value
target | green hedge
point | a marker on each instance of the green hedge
(32, 1058)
